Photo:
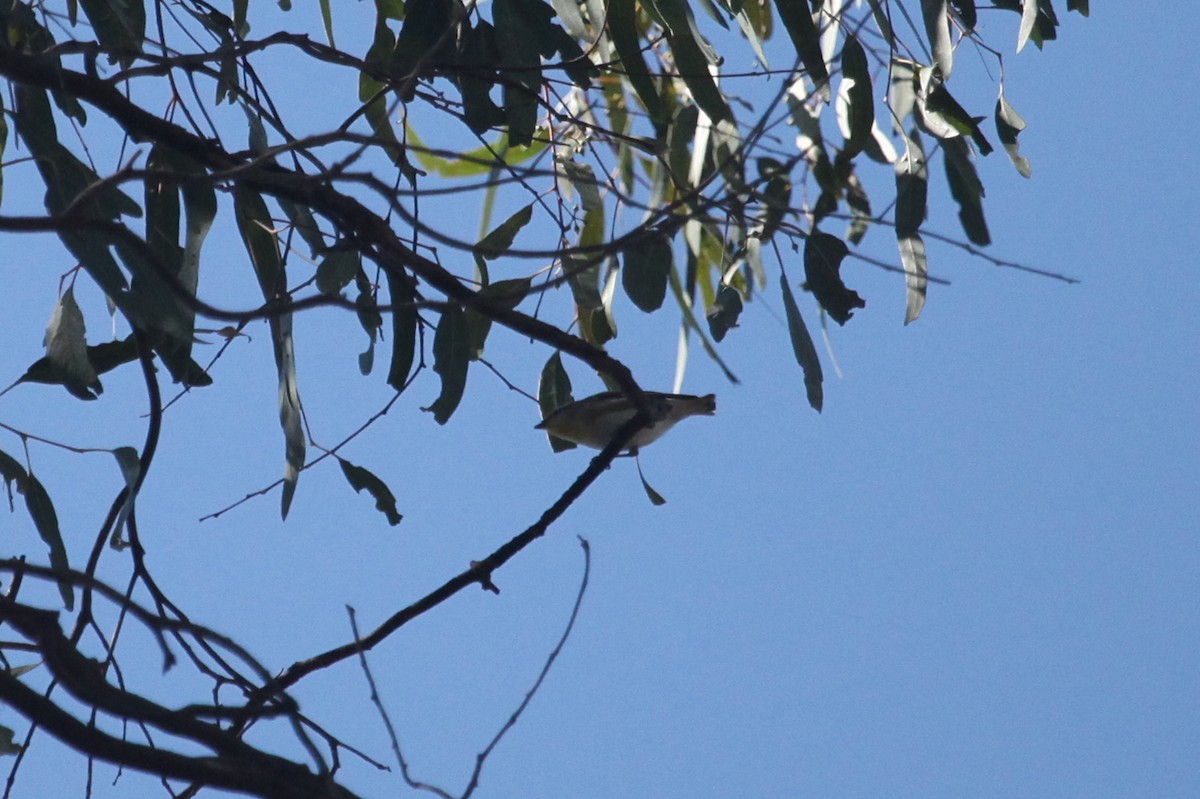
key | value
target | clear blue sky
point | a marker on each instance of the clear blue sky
(977, 573)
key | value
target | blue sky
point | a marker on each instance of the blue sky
(975, 573)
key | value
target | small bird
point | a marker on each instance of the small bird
(594, 421)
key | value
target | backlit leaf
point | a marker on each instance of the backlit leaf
(451, 357)
(1009, 125)
(722, 315)
(404, 330)
(966, 189)
(937, 26)
(798, 21)
(66, 349)
(912, 258)
(41, 510)
(802, 347)
(823, 255)
(554, 391)
(856, 100)
(360, 478)
(645, 272)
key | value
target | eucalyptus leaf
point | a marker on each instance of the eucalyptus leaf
(554, 391)
(451, 357)
(360, 478)
(802, 347)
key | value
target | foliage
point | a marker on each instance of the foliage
(634, 153)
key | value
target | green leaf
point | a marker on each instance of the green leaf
(12, 472)
(130, 465)
(912, 186)
(966, 189)
(7, 736)
(645, 272)
(654, 497)
(66, 349)
(480, 161)
(254, 221)
(856, 100)
(803, 32)
(1029, 18)
(505, 293)
(360, 478)
(1009, 125)
(965, 9)
(692, 55)
(303, 222)
(912, 258)
(41, 510)
(3, 143)
(120, 27)
(937, 26)
(621, 19)
(802, 347)
(327, 21)
(404, 329)
(289, 407)
(367, 310)
(494, 244)
(337, 269)
(776, 196)
(1078, 5)
(860, 209)
(554, 391)
(823, 255)
(722, 315)
(254, 224)
(451, 357)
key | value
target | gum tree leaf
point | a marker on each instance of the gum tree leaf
(966, 189)
(856, 100)
(289, 407)
(823, 255)
(120, 26)
(1009, 125)
(7, 744)
(654, 497)
(337, 269)
(66, 349)
(693, 56)
(494, 244)
(912, 186)
(1029, 18)
(937, 26)
(360, 478)
(965, 9)
(327, 21)
(554, 391)
(621, 20)
(776, 196)
(253, 221)
(130, 466)
(722, 315)
(802, 347)
(451, 357)
(803, 32)
(646, 271)
(41, 510)
(912, 258)
(505, 293)
(404, 330)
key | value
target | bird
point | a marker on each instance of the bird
(595, 420)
